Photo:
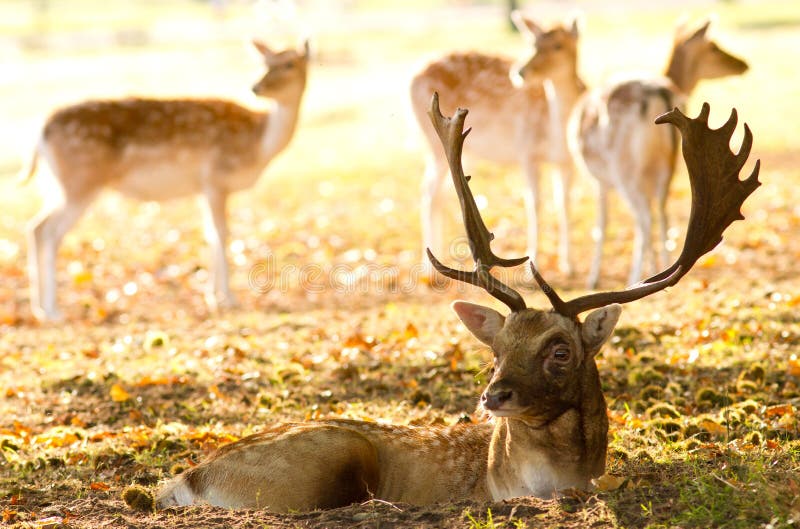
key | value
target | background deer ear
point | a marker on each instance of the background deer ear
(262, 48)
(484, 323)
(574, 27)
(598, 326)
(526, 26)
(680, 26)
(701, 31)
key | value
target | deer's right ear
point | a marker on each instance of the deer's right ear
(484, 323)
(526, 26)
(262, 48)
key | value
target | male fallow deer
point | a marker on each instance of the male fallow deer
(157, 149)
(611, 137)
(550, 426)
(521, 122)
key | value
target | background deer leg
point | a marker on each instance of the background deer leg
(642, 241)
(532, 199)
(216, 232)
(599, 234)
(663, 222)
(44, 237)
(562, 183)
(431, 209)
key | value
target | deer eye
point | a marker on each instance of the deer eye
(560, 350)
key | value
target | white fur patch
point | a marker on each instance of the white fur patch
(176, 493)
(539, 479)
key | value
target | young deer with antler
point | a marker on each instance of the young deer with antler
(522, 122)
(611, 137)
(550, 426)
(156, 149)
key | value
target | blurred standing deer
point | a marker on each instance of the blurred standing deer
(611, 138)
(550, 428)
(521, 122)
(159, 149)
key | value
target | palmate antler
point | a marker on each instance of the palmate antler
(717, 197)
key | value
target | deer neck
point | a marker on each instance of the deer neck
(526, 459)
(562, 94)
(561, 97)
(279, 123)
(680, 70)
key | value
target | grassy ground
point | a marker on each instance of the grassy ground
(702, 381)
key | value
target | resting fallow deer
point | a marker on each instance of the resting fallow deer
(519, 114)
(158, 149)
(549, 428)
(611, 138)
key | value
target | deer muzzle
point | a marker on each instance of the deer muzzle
(494, 398)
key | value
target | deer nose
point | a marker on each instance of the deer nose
(493, 400)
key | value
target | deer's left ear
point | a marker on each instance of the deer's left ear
(702, 30)
(598, 326)
(574, 27)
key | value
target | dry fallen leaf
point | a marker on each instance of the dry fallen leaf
(51, 522)
(794, 367)
(779, 410)
(9, 516)
(214, 392)
(712, 427)
(411, 331)
(118, 393)
(609, 482)
(56, 439)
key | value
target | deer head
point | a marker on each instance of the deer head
(555, 50)
(544, 360)
(696, 56)
(286, 71)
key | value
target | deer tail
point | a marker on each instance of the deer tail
(670, 99)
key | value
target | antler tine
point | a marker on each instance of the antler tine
(552, 295)
(717, 198)
(451, 133)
